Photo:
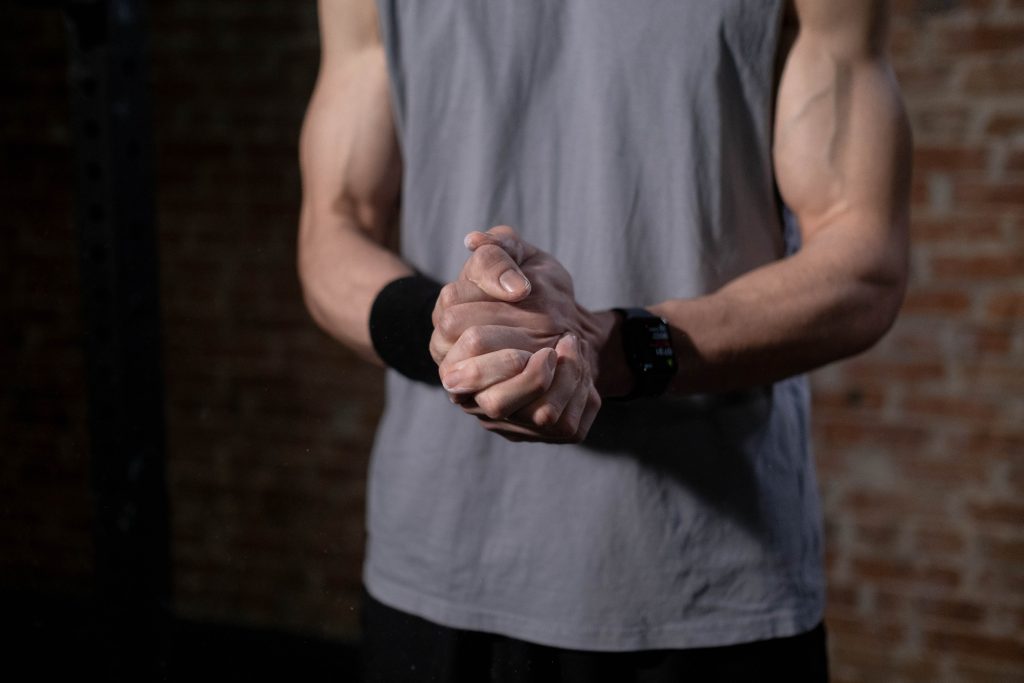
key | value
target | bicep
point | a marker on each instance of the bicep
(842, 143)
(349, 155)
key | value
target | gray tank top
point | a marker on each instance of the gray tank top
(632, 141)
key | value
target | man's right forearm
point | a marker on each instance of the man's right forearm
(351, 177)
(342, 270)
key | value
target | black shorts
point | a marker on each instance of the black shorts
(401, 648)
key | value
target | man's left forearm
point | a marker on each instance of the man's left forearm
(827, 302)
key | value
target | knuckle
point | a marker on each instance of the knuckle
(492, 407)
(449, 296)
(473, 341)
(447, 323)
(513, 360)
(577, 369)
(546, 416)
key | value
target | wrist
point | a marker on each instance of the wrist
(400, 326)
(612, 375)
(645, 340)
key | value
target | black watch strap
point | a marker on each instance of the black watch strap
(647, 342)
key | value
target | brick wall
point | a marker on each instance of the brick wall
(920, 442)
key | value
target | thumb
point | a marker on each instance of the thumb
(493, 270)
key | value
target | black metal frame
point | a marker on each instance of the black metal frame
(115, 212)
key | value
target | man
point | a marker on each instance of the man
(631, 495)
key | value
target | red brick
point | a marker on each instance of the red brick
(1009, 551)
(991, 340)
(998, 444)
(846, 597)
(936, 301)
(856, 662)
(995, 77)
(994, 377)
(946, 609)
(976, 192)
(852, 398)
(1007, 305)
(954, 407)
(909, 371)
(878, 536)
(1015, 161)
(979, 671)
(1005, 512)
(888, 603)
(1004, 123)
(982, 37)
(958, 227)
(896, 571)
(848, 433)
(980, 268)
(944, 475)
(935, 542)
(949, 158)
(976, 645)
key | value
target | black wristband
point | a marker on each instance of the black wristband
(401, 325)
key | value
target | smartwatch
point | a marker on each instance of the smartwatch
(647, 342)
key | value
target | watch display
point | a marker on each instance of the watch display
(647, 341)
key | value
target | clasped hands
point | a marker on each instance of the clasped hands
(513, 346)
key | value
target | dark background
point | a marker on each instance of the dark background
(920, 442)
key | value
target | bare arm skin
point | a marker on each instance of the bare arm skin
(351, 180)
(842, 161)
(351, 175)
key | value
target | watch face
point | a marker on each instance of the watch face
(647, 341)
(651, 346)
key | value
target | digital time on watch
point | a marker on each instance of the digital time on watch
(647, 342)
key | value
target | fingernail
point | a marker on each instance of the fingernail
(513, 281)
